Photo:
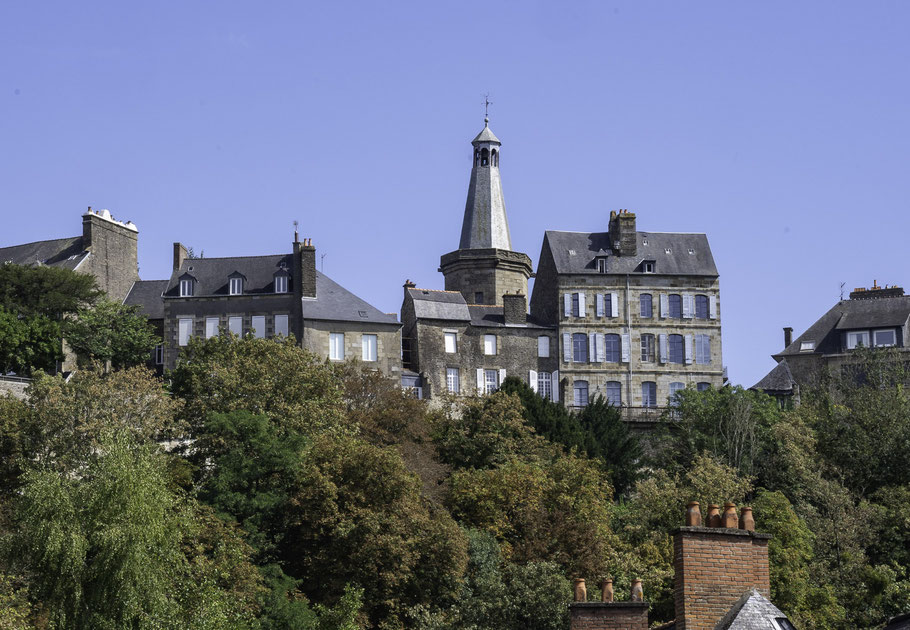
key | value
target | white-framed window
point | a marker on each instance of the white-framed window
(489, 344)
(614, 393)
(336, 346)
(543, 346)
(702, 349)
(884, 337)
(649, 394)
(235, 325)
(258, 325)
(281, 325)
(451, 342)
(491, 380)
(648, 266)
(675, 387)
(806, 346)
(211, 327)
(236, 286)
(186, 287)
(580, 389)
(281, 284)
(601, 265)
(184, 331)
(369, 345)
(857, 338)
(545, 385)
(453, 380)
(159, 354)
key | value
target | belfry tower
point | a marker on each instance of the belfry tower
(484, 267)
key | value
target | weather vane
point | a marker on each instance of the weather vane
(486, 107)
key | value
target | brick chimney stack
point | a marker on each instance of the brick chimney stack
(788, 336)
(715, 566)
(305, 261)
(515, 308)
(623, 237)
(608, 614)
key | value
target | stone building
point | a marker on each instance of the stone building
(272, 296)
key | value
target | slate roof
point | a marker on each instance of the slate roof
(212, 274)
(147, 295)
(335, 303)
(486, 136)
(483, 315)
(901, 622)
(752, 612)
(447, 305)
(850, 315)
(588, 245)
(59, 252)
(779, 379)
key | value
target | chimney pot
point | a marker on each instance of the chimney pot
(693, 515)
(746, 520)
(713, 515)
(637, 593)
(581, 593)
(607, 594)
(788, 336)
(730, 519)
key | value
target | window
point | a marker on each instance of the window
(184, 331)
(648, 266)
(675, 387)
(489, 344)
(701, 307)
(258, 325)
(649, 394)
(575, 305)
(676, 354)
(647, 348)
(581, 393)
(806, 346)
(675, 302)
(281, 284)
(491, 380)
(453, 380)
(545, 385)
(614, 393)
(857, 338)
(702, 349)
(186, 288)
(608, 305)
(211, 327)
(369, 347)
(336, 346)
(543, 346)
(236, 286)
(478, 297)
(611, 348)
(580, 348)
(885, 338)
(784, 624)
(703, 387)
(451, 342)
(159, 354)
(644, 302)
(281, 325)
(235, 326)
(601, 265)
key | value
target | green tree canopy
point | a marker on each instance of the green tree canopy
(111, 332)
(49, 291)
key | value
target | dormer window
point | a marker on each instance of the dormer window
(281, 284)
(186, 287)
(647, 266)
(806, 346)
(236, 286)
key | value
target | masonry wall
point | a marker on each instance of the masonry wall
(713, 568)
(608, 616)
(492, 272)
(388, 342)
(14, 386)
(113, 255)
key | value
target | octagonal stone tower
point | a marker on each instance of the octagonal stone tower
(484, 267)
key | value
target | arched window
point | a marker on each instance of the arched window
(675, 306)
(485, 157)
(701, 307)
(675, 387)
(495, 157)
(611, 348)
(649, 394)
(580, 348)
(580, 391)
(614, 393)
(476, 157)
(677, 354)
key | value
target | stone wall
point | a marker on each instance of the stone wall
(113, 255)
(388, 342)
(14, 386)
(608, 616)
(491, 272)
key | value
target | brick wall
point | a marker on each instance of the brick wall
(713, 568)
(608, 616)
(113, 255)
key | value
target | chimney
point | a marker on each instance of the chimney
(623, 237)
(608, 614)
(515, 308)
(788, 336)
(179, 255)
(305, 259)
(876, 292)
(715, 566)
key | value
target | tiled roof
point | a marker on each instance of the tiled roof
(574, 252)
(484, 315)
(60, 252)
(147, 295)
(752, 612)
(779, 379)
(447, 305)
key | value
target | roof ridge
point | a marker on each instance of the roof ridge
(434, 290)
(233, 257)
(45, 240)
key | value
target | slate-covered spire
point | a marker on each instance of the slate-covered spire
(485, 224)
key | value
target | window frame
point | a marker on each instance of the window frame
(701, 307)
(677, 341)
(369, 344)
(649, 397)
(577, 388)
(641, 305)
(613, 391)
(576, 305)
(446, 336)
(183, 338)
(281, 284)
(490, 380)
(235, 286)
(677, 312)
(875, 334)
(488, 342)
(543, 347)
(231, 321)
(703, 349)
(159, 354)
(453, 380)
(612, 339)
(649, 354)
(336, 346)
(545, 385)
(208, 322)
(285, 328)
(579, 347)
(257, 333)
(674, 388)
(853, 342)
(186, 287)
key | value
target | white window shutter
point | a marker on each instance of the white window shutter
(480, 383)
(712, 307)
(581, 304)
(626, 343)
(567, 304)
(614, 305)
(592, 350)
(532, 380)
(502, 376)
(554, 386)
(567, 347)
(662, 342)
(688, 305)
(664, 305)
(599, 300)
(688, 349)
(601, 348)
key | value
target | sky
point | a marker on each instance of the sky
(779, 129)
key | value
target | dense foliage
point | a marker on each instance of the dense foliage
(264, 488)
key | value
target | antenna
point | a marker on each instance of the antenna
(322, 262)
(296, 238)
(842, 290)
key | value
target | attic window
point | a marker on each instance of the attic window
(667, 250)
(571, 252)
(783, 623)
(186, 288)
(644, 241)
(362, 313)
(806, 346)
(647, 266)
(601, 265)
(691, 251)
(281, 284)
(236, 286)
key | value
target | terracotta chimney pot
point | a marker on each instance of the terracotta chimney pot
(746, 520)
(581, 593)
(713, 515)
(693, 515)
(607, 594)
(730, 519)
(637, 593)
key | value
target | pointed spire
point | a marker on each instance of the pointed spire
(485, 223)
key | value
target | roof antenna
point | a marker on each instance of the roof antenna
(486, 108)
(842, 291)
(296, 236)
(322, 262)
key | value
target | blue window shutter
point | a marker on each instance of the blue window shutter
(662, 342)
(567, 304)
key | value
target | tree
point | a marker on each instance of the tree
(111, 332)
(28, 343)
(50, 291)
(549, 419)
(608, 439)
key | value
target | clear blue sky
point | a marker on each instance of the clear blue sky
(778, 128)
